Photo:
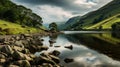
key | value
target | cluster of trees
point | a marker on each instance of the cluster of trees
(100, 18)
(116, 26)
(19, 14)
(53, 27)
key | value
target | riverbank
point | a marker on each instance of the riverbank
(18, 50)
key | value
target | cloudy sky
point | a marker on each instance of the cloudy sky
(61, 10)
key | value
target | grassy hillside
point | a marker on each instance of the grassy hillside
(15, 19)
(92, 18)
(12, 28)
(106, 24)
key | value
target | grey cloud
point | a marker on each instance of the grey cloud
(66, 5)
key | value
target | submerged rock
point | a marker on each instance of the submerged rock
(56, 46)
(69, 47)
(44, 48)
(68, 60)
(52, 41)
(56, 53)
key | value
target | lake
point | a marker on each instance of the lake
(90, 48)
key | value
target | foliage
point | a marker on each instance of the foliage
(18, 14)
(53, 27)
(116, 26)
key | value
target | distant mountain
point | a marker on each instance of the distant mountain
(71, 21)
(18, 14)
(89, 20)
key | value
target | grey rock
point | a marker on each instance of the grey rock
(7, 49)
(18, 55)
(2, 61)
(54, 58)
(25, 63)
(13, 66)
(2, 56)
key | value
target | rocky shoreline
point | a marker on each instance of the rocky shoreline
(18, 51)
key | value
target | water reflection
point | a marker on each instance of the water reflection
(89, 50)
(103, 43)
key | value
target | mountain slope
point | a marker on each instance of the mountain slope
(107, 23)
(92, 18)
(71, 21)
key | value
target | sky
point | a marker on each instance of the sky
(61, 10)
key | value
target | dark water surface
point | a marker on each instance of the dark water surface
(90, 49)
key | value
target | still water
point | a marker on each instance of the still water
(90, 49)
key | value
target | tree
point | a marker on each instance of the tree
(10, 15)
(53, 27)
(100, 27)
(116, 26)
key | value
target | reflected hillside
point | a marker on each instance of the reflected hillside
(104, 43)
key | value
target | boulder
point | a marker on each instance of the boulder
(25, 63)
(32, 56)
(44, 48)
(17, 38)
(18, 55)
(2, 40)
(13, 66)
(19, 43)
(25, 51)
(28, 58)
(22, 63)
(17, 48)
(2, 56)
(2, 61)
(41, 59)
(27, 35)
(47, 65)
(54, 58)
(7, 49)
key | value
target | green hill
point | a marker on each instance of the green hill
(19, 14)
(15, 19)
(106, 12)
(106, 24)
